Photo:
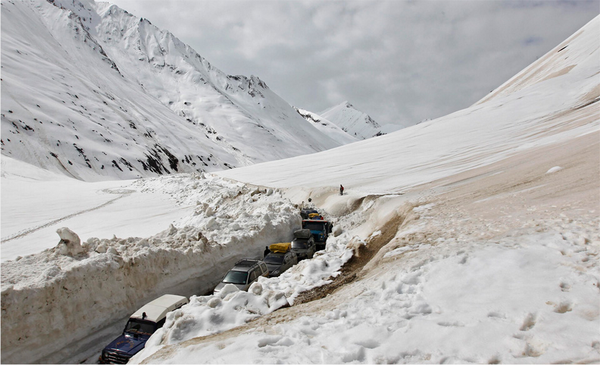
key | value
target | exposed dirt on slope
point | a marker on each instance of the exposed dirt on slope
(544, 184)
(362, 255)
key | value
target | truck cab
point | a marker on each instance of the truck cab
(140, 326)
(319, 228)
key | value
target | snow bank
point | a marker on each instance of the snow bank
(209, 315)
(206, 315)
(230, 308)
(50, 299)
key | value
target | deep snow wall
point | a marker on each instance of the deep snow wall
(51, 301)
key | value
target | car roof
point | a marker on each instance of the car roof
(245, 265)
(246, 262)
(157, 309)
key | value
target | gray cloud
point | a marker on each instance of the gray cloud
(398, 61)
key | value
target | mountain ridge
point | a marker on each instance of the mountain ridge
(353, 121)
(116, 97)
(327, 126)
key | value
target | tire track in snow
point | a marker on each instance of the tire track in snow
(123, 193)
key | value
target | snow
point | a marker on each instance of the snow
(99, 94)
(353, 121)
(472, 238)
(554, 169)
(329, 128)
(112, 277)
(90, 209)
(521, 299)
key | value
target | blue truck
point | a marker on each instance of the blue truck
(140, 326)
(319, 228)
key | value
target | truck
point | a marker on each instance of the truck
(140, 326)
(320, 230)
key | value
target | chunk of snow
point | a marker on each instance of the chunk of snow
(70, 243)
(554, 169)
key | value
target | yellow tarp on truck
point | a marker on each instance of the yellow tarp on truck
(280, 247)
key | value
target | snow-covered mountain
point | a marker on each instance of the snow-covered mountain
(94, 92)
(472, 238)
(352, 121)
(329, 128)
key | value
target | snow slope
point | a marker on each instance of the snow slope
(539, 113)
(352, 121)
(91, 91)
(473, 238)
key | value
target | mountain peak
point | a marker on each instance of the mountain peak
(353, 121)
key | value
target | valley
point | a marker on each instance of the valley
(470, 238)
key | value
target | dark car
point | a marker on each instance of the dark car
(141, 325)
(278, 262)
(303, 245)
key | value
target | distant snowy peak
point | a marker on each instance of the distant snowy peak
(353, 121)
(327, 127)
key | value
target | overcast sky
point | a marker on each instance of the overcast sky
(399, 61)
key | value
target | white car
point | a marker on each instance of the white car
(243, 274)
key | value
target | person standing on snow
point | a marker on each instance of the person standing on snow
(341, 190)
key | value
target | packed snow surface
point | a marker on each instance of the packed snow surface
(472, 238)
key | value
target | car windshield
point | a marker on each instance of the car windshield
(236, 277)
(140, 327)
(300, 243)
(313, 226)
(274, 259)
